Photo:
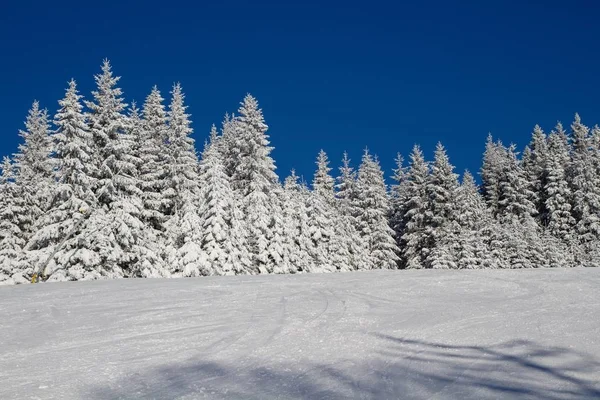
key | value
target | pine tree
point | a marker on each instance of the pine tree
(514, 190)
(556, 191)
(254, 182)
(585, 184)
(440, 218)
(297, 230)
(373, 224)
(398, 198)
(533, 160)
(355, 248)
(152, 153)
(491, 172)
(118, 181)
(181, 162)
(323, 182)
(70, 235)
(106, 123)
(222, 249)
(475, 222)
(34, 168)
(321, 212)
(12, 210)
(414, 237)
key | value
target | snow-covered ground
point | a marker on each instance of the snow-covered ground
(383, 334)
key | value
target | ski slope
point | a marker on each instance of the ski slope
(490, 334)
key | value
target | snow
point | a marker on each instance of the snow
(481, 334)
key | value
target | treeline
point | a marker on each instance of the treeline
(106, 190)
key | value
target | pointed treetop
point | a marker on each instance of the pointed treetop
(214, 133)
(291, 182)
(468, 179)
(7, 169)
(323, 182)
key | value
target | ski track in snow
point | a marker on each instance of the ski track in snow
(525, 334)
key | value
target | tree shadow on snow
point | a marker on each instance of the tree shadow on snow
(398, 368)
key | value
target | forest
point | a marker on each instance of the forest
(104, 189)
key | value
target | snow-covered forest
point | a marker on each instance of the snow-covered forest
(105, 189)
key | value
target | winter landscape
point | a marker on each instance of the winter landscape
(164, 234)
(98, 193)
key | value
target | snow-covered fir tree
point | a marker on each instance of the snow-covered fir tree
(213, 242)
(556, 191)
(181, 162)
(514, 200)
(34, 168)
(68, 244)
(440, 219)
(255, 183)
(534, 159)
(321, 215)
(585, 184)
(118, 181)
(398, 200)
(12, 238)
(474, 221)
(152, 153)
(299, 248)
(491, 173)
(414, 238)
(373, 210)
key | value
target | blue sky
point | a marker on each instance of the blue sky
(332, 75)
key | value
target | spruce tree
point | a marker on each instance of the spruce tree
(181, 162)
(222, 249)
(346, 222)
(321, 214)
(372, 218)
(556, 191)
(475, 222)
(441, 219)
(152, 153)
(297, 227)
(414, 244)
(70, 236)
(534, 160)
(254, 181)
(585, 184)
(34, 169)
(12, 210)
(491, 172)
(398, 198)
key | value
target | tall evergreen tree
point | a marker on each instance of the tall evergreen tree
(181, 161)
(398, 198)
(321, 214)
(34, 168)
(556, 191)
(475, 222)
(152, 153)
(297, 227)
(12, 238)
(533, 161)
(585, 184)
(491, 173)
(372, 218)
(440, 219)
(514, 189)
(254, 181)
(106, 120)
(67, 236)
(414, 243)
(222, 242)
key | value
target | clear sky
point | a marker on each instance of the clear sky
(332, 75)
